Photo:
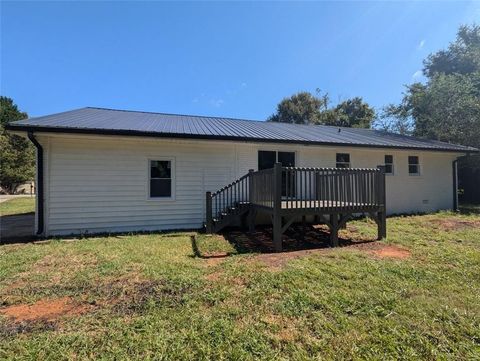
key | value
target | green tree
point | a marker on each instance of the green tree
(354, 113)
(461, 57)
(300, 108)
(17, 158)
(306, 108)
(447, 106)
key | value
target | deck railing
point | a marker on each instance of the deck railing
(332, 188)
(262, 188)
(284, 190)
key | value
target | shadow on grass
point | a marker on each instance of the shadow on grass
(17, 228)
(296, 238)
(207, 255)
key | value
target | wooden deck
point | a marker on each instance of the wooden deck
(288, 194)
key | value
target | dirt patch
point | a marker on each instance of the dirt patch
(214, 277)
(44, 310)
(215, 258)
(455, 224)
(57, 267)
(128, 297)
(276, 261)
(283, 328)
(391, 252)
(279, 260)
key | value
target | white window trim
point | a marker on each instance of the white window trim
(419, 168)
(173, 178)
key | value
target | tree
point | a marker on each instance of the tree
(447, 107)
(461, 57)
(17, 158)
(354, 113)
(300, 108)
(306, 108)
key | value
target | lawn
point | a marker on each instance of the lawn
(17, 206)
(415, 295)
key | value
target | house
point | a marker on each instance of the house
(105, 170)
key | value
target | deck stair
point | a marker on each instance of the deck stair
(227, 205)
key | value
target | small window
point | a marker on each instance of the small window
(389, 164)
(413, 165)
(160, 179)
(343, 160)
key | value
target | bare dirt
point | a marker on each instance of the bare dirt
(214, 258)
(391, 252)
(44, 310)
(455, 224)
(277, 261)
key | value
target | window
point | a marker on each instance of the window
(389, 164)
(343, 160)
(413, 165)
(160, 178)
(266, 159)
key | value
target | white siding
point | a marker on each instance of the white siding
(100, 184)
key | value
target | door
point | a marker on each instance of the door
(267, 159)
(288, 179)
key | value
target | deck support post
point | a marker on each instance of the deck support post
(277, 207)
(304, 228)
(209, 217)
(252, 215)
(381, 225)
(344, 224)
(382, 197)
(334, 230)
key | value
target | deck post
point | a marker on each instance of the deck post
(334, 230)
(277, 207)
(381, 214)
(251, 213)
(250, 185)
(209, 218)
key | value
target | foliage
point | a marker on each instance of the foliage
(354, 113)
(148, 297)
(306, 108)
(461, 57)
(447, 107)
(17, 157)
(300, 108)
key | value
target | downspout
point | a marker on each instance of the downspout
(40, 187)
(455, 184)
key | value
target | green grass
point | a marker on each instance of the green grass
(17, 206)
(149, 297)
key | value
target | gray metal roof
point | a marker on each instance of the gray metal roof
(122, 122)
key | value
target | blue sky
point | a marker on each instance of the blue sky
(216, 58)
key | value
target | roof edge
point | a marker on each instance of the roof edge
(120, 132)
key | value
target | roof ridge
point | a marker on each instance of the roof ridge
(218, 117)
(175, 114)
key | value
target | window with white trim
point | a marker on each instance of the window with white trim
(343, 160)
(389, 164)
(413, 165)
(160, 182)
